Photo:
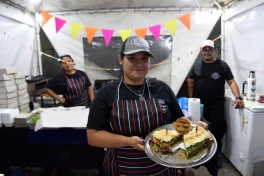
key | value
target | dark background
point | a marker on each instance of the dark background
(107, 56)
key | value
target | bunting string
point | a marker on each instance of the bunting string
(75, 29)
(5, 34)
(97, 68)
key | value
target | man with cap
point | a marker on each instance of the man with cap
(206, 81)
(124, 112)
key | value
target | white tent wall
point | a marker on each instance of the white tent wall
(243, 26)
(18, 34)
(186, 44)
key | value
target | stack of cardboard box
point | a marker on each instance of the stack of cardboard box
(8, 88)
(13, 89)
(23, 97)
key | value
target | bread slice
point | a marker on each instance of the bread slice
(196, 140)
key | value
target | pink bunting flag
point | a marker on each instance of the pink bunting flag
(155, 30)
(107, 33)
(59, 23)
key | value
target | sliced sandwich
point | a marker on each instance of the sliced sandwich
(166, 139)
(196, 140)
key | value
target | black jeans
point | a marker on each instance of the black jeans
(214, 113)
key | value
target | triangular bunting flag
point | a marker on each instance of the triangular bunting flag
(75, 29)
(155, 30)
(141, 32)
(171, 26)
(59, 23)
(107, 33)
(45, 17)
(90, 32)
(124, 34)
(186, 20)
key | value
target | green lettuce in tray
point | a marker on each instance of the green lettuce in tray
(35, 118)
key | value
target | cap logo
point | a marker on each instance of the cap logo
(140, 42)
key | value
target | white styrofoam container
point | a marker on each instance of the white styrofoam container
(1, 110)
(19, 75)
(12, 105)
(8, 89)
(8, 95)
(8, 115)
(8, 70)
(23, 101)
(4, 77)
(20, 80)
(7, 83)
(23, 96)
(21, 86)
(22, 91)
(8, 101)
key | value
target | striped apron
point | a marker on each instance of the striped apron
(77, 93)
(134, 118)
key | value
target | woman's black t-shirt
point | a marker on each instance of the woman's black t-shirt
(58, 83)
(100, 110)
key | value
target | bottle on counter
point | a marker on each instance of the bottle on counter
(251, 89)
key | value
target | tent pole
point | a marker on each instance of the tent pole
(40, 71)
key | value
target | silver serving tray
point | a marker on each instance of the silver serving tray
(174, 161)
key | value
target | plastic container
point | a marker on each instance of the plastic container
(183, 102)
(201, 110)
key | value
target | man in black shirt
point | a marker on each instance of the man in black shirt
(207, 82)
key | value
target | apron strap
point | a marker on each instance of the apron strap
(118, 90)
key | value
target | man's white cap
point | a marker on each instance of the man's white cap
(208, 43)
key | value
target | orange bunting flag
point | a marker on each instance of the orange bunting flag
(141, 32)
(45, 17)
(90, 32)
(186, 20)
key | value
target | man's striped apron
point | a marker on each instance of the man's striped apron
(134, 118)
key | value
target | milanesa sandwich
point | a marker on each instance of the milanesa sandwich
(166, 139)
(196, 140)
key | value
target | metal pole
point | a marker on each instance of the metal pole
(40, 71)
(145, 9)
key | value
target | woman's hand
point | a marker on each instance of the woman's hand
(62, 100)
(136, 142)
(202, 124)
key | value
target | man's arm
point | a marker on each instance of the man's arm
(190, 87)
(233, 85)
(91, 93)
